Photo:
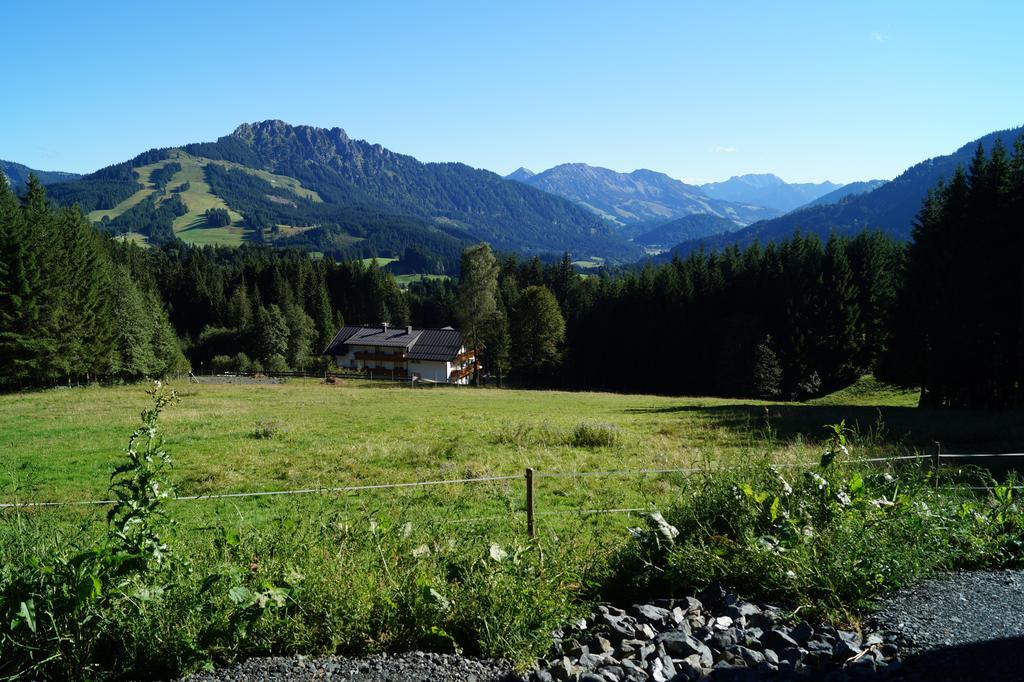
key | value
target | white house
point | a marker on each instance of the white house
(436, 355)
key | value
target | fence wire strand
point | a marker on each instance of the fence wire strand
(484, 479)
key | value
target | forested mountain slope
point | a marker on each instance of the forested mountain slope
(17, 175)
(322, 191)
(891, 208)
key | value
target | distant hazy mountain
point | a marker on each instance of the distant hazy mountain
(845, 191)
(890, 208)
(17, 174)
(768, 190)
(521, 174)
(642, 195)
(688, 227)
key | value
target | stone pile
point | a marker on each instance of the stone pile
(716, 635)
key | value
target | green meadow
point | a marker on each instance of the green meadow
(61, 444)
(449, 566)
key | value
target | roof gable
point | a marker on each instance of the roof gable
(421, 344)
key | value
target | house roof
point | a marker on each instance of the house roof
(420, 344)
(436, 344)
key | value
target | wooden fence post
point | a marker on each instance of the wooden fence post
(531, 528)
(936, 462)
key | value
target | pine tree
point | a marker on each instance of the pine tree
(26, 340)
(767, 375)
(131, 355)
(843, 338)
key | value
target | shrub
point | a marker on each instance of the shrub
(594, 436)
(831, 539)
(583, 435)
(276, 363)
(265, 429)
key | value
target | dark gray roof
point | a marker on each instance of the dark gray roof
(378, 336)
(436, 344)
(422, 344)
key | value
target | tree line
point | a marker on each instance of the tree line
(69, 311)
(789, 320)
(959, 328)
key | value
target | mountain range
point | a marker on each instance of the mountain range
(766, 189)
(890, 207)
(319, 189)
(17, 174)
(641, 196)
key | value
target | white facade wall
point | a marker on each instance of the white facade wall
(430, 370)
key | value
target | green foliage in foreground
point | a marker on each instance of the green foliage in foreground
(316, 586)
(829, 541)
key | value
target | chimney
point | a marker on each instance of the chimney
(384, 325)
(408, 330)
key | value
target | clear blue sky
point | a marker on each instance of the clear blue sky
(699, 90)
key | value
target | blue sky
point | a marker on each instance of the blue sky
(700, 90)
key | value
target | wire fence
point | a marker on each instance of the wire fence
(936, 459)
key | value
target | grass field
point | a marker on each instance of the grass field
(61, 444)
(434, 567)
(406, 280)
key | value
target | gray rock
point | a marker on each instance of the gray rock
(646, 613)
(740, 610)
(681, 645)
(602, 645)
(778, 640)
(843, 650)
(663, 528)
(691, 605)
(619, 627)
(644, 631)
(817, 644)
(668, 666)
(688, 668)
(749, 656)
(802, 632)
(723, 640)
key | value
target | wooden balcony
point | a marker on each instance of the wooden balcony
(463, 357)
(366, 355)
(457, 374)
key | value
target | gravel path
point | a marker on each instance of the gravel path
(409, 667)
(964, 626)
